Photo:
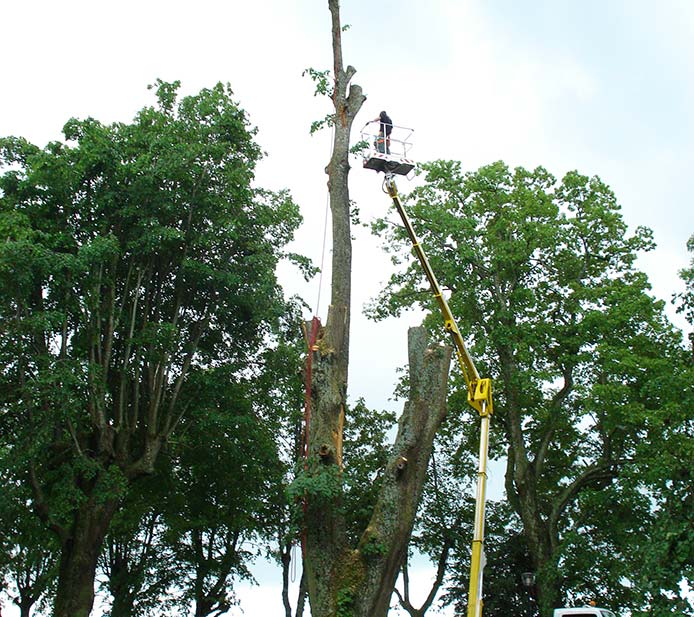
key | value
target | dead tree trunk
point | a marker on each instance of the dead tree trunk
(343, 579)
(325, 541)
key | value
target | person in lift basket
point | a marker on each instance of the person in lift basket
(384, 131)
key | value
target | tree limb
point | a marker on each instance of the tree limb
(604, 471)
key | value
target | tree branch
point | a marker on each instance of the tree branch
(555, 404)
(604, 471)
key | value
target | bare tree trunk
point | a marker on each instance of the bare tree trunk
(383, 545)
(325, 541)
(361, 580)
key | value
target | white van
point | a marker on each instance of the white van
(586, 611)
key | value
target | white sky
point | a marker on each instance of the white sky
(602, 87)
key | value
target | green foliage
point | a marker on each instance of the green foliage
(28, 552)
(323, 81)
(366, 450)
(685, 300)
(327, 122)
(372, 548)
(314, 481)
(506, 554)
(359, 146)
(543, 285)
(344, 603)
(324, 86)
(137, 280)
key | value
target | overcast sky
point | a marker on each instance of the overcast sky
(601, 86)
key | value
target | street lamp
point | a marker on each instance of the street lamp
(528, 580)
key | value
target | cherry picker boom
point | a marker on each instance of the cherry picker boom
(479, 394)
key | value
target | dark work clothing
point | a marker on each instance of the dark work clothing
(386, 124)
(384, 129)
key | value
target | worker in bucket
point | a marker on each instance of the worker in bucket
(385, 128)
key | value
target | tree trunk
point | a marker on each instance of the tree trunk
(383, 545)
(521, 487)
(25, 608)
(360, 581)
(122, 592)
(343, 580)
(325, 541)
(78, 559)
(539, 513)
(123, 605)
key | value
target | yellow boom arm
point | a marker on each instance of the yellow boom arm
(479, 396)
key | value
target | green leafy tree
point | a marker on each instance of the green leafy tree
(28, 552)
(227, 474)
(190, 530)
(135, 259)
(542, 280)
(281, 394)
(685, 300)
(136, 566)
(506, 556)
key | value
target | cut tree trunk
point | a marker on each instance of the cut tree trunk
(359, 581)
(383, 546)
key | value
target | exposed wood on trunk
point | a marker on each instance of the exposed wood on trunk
(325, 526)
(363, 578)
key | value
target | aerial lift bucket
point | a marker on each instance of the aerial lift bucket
(389, 155)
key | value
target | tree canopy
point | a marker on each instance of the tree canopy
(137, 271)
(542, 279)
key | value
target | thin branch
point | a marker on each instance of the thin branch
(40, 505)
(73, 434)
(201, 328)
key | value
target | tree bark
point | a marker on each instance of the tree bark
(383, 546)
(539, 514)
(123, 605)
(123, 594)
(325, 541)
(79, 555)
